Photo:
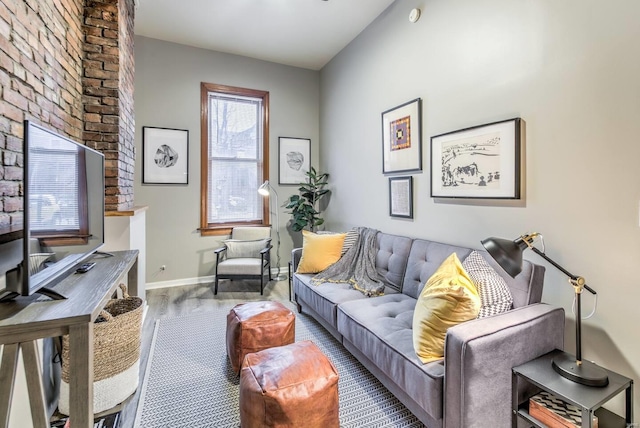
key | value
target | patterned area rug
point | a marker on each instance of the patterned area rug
(189, 381)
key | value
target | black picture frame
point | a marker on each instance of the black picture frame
(294, 158)
(401, 197)
(165, 155)
(402, 138)
(479, 162)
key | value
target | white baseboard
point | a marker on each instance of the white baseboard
(179, 282)
(197, 280)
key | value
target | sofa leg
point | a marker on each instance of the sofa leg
(299, 307)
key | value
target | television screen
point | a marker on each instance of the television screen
(63, 221)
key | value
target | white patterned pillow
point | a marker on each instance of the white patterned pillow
(349, 240)
(495, 295)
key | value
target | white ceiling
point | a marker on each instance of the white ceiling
(301, 33)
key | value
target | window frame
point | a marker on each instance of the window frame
(206, 228)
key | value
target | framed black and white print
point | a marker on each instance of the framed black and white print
(402, 138)
(295, 160)
(401, 197)
(481, 162)
(165, 155)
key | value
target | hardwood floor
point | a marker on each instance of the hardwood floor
(184, 300)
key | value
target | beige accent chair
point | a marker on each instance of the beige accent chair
(245, 256)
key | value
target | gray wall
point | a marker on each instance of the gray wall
(167, 94)
(571, 70)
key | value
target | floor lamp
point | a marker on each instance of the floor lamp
(266, 189)
(508, 254)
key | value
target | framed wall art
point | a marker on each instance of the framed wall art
(295, 160)
(479, 162)
(401, 197)
(401, 138)
(165, 155)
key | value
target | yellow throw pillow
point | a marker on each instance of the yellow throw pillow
(448, 298)
(319, 251)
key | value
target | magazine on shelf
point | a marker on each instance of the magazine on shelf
(556, 413)
(111, 420)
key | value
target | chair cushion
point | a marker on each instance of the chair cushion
(241, 248)
(448, 298)
(240, 266)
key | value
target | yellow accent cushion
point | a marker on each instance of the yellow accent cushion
(448, 298)
(319, 251)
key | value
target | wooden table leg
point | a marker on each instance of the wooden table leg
(81, 375)
(8, 368)
(33, 372)
(132, 281)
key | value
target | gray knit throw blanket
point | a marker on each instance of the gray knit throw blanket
(357, 266)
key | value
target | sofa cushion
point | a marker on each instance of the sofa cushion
(424, 259)
(493, 290)
(448, 298)
(325, 297)
(319, 251)
(391, 258)
(380, 328)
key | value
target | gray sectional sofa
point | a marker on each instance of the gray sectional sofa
(471, 386)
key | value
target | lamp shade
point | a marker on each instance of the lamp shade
(508, 254)
(264, 188)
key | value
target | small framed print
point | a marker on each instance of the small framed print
(295, 160)
(165, 155)
(401, 197)
(402, 138)
(481, 162)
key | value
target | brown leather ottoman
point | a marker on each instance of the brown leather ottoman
(289, 386)
(254, 326)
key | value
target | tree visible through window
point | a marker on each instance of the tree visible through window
(234, 157)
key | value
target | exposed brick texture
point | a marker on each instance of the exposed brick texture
(68, 65)
(109, 121)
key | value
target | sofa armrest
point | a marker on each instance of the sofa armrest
(480, 354)
(296, 254)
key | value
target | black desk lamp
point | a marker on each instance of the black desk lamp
(508, 254)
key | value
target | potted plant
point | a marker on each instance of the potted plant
(304, 211)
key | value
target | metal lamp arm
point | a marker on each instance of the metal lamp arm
(577, 279)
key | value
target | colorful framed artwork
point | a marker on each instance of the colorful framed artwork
(402, 138)
(165, 155)
(401, 197)
(481, 162)
(295, 160)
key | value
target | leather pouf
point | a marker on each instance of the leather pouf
(289, 386)
(254, 326)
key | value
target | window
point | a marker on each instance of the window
(235, 160)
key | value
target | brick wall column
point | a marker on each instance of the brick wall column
(108, 73)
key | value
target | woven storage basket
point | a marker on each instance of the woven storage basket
(116, 354)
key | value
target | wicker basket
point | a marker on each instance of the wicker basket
(116, 354)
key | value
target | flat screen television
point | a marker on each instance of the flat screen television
(63, 214)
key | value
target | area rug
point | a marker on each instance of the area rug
(189, 381)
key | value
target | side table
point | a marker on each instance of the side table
(589, 399)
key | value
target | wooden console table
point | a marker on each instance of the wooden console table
(25, 320)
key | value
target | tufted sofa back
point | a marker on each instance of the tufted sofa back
(426, 256)
(424, 259)
(391, 258)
